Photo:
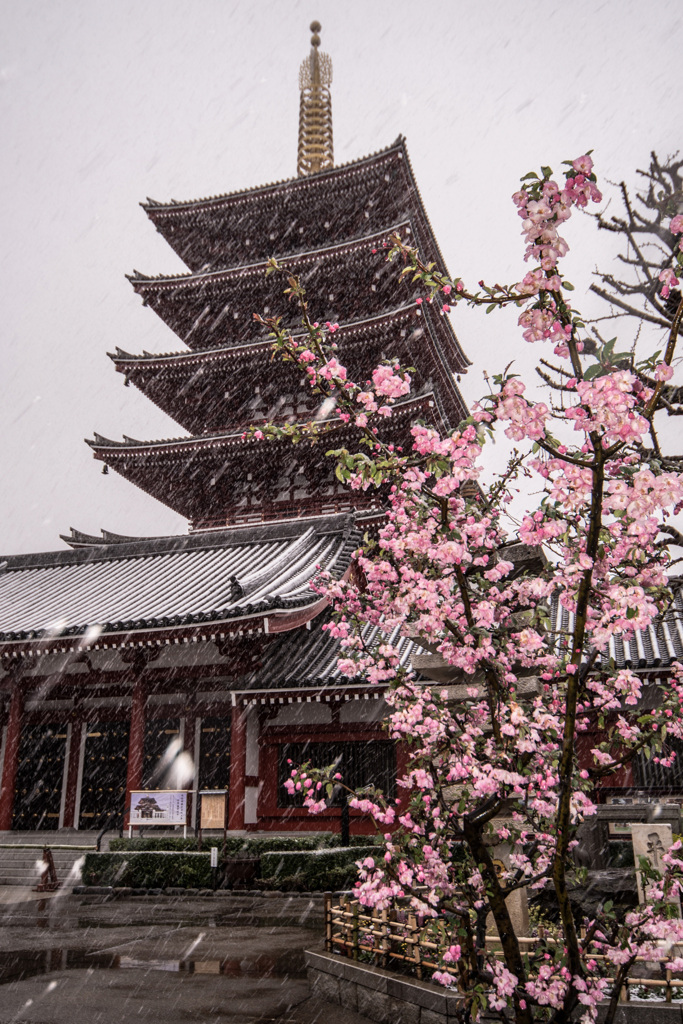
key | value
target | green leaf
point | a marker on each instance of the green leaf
(490, 309)
(568, 286)
(529, 174)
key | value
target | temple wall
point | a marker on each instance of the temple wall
(79, 738)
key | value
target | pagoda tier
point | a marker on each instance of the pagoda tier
(223, 480)
(226, 389)
(345, 283)
(351, 201)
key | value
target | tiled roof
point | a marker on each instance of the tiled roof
(655, 647)
(231, 349)
(153, 206)
(221, 479)
(145, 284)
(304, 658)
(413, 404)
(296, 215)
(170, 582)
(309, 658)
(347, 282)
(227, 389)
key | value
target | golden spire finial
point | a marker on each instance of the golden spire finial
(316, 151)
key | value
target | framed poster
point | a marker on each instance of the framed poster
(158, 807)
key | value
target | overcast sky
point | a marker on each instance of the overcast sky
(103, 103)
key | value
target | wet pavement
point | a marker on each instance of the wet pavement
(67, 959)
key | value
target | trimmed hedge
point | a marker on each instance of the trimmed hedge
(176, 843)
(247, 846)
(257, 846)
(298, 870)
(148, 870)
(314, 869)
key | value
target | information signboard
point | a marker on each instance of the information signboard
(158, 807)
(213, 809)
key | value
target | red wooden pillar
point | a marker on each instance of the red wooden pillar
(136, 743)
(238, 767)
(74, 756)
(11, 760)
(189, 748)
(402, 755)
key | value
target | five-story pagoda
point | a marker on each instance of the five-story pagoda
(328, 227)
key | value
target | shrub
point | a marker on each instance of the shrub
(153, 843)
(290, 863)
(314, 869)
(248, 846)
(153, 870)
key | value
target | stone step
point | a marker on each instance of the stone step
(20, 864)
(32, 858)
(34, 869)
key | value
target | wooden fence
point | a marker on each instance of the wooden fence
(399, 938)
(388, 936)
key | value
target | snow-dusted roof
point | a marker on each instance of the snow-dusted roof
(169, 582)
(155, 208)
(652, 648)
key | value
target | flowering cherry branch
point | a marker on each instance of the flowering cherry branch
(494, 758)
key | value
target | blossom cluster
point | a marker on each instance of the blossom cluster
(542, 211)
(668, 275)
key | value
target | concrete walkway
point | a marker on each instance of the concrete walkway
(22, 894)
(227, 959)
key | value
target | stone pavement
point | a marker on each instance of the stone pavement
(222, 959)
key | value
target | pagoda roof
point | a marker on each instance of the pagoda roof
(354, 199)
(347, 282)
(125, 361)
(237, 385)
(221, 479)
(156, 208)
(169, 583)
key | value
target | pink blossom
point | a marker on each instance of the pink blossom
(333, 368)
(583, 164)
(669, 279)
(388, 383)
(663, 372)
